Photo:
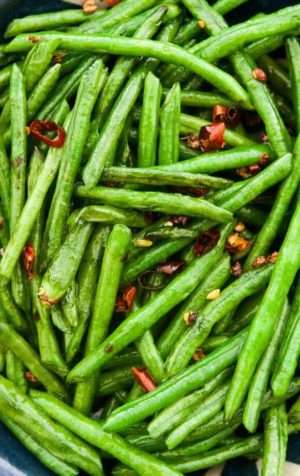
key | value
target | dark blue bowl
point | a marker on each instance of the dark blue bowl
(14, 459)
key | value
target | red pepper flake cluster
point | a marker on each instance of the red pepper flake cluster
(38, 130)
(30, 377)
(206, 241)
(259, 74)
(236, 243)
(228, 115)
(29, 260)
(144, 379)
(125, 302)
(170, 267)
(263, 260)
(246, 172)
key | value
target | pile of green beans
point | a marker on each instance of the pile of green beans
(149, 234)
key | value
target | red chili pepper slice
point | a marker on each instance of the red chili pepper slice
(124, 303)
(29, 260)
(144, 379)
(212, 137)
(38, 128)
(112, 3)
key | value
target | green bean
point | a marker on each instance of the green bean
(92, 431)
(148, 129)
(48, 346)
(132, 47)
(114, 380)
(293, 52)
(69, 305)
(169, 127)
(275, 441)
(65, 264)
(247, 446)
(131, 358)
(264, 46)
(11, 311)
(5, 76)
(111, 215)
(236, 37)
(44, 88)
(37, 62)
(188, 31)
(124, 65)
(285, 111)
(288, 351)
(203, 99)
(14, 342)
(212, 162)
(155, 176)
(199, 414)
(87, 277)
(213, 279)
(117, 15)
(59, 320)
(177, 413)
(15, 371)
(46, 21)
(4, 182)
(178, 289)
(267, 234)
(244, 314)
(265, 321)
(105, 148)
(56, 465)
(177, 387)
(120, 470)
(66, 88)
(60, 442)
(262, 375)
(30, 212)
(277, 77)
(226, 6)
(154, 201)
(115, 252)
(85, 101)
(248, 284)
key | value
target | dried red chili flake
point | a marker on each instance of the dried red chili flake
(206, 241)
(263, 260)
(29, 260)
(58, 57)
(198, 355)
(30, 377)
(34, 38)
(236, 269)
(38, 128)
(264, 159)
(151, 216)
(144, 379)
(237, 243)
(246, 172)
(263, 137)
(179, 220)
(112, 3)
(259, 75)
(125, 301)
(171, 267)
(195, 192)
(211, 137)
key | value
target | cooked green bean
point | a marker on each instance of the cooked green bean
(115, 252)
(261, 378)
(275, 441)
(168, 152)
